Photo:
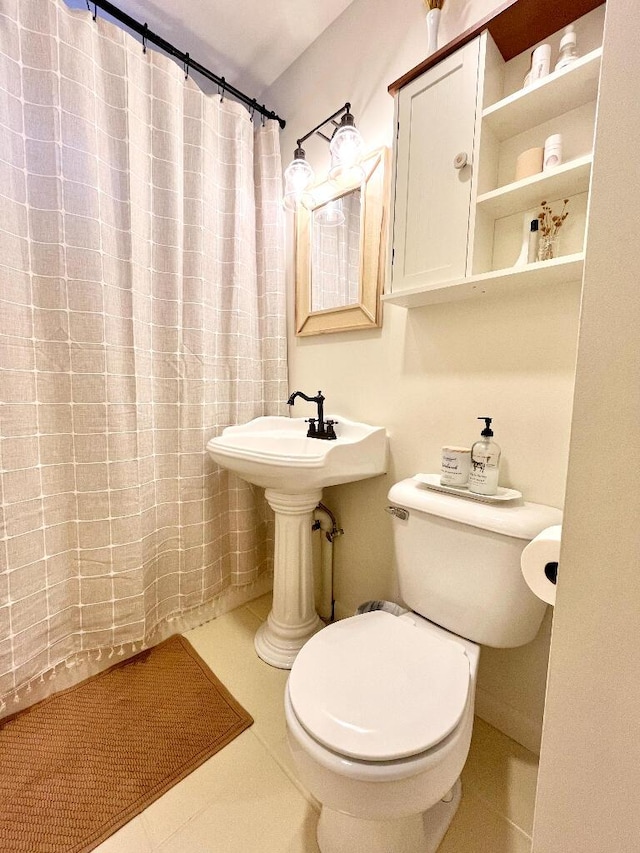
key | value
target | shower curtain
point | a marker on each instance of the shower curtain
(142, 311)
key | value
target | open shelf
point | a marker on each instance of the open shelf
(558, 271)
(566, 180)
(487, 228)
(557, 93)
(515, 26)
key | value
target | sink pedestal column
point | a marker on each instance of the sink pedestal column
(293, 618)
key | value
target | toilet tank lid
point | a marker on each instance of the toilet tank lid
(521, 520)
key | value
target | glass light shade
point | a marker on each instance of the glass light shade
(298, 176)
(293, 200)
(346, 177)
(330, 214)
(346, 149)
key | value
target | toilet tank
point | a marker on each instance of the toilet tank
(458, 562)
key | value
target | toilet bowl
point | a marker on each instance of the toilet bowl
(379, 712)
(379, 707)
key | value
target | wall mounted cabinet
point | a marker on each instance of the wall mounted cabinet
(457, 231)
(435, 121)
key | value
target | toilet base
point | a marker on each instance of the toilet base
(420, 833)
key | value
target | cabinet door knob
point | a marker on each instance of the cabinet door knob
(460, 160)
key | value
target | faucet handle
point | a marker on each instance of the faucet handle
(331, 434)
(311, 432)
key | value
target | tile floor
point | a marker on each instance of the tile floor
(246, 798)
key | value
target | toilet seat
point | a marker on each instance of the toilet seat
(377, 688)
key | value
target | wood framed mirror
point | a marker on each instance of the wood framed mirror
(339, 253)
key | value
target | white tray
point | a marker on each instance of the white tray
(432, 481)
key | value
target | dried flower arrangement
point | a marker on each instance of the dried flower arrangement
(433, 4)
(550, 224)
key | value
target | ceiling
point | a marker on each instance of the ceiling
(249, 42)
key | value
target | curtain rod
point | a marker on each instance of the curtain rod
(149, 36)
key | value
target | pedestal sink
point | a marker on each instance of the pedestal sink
(275, 453)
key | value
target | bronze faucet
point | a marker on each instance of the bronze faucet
(318, 427)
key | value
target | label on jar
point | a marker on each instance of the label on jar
(483, 476)
(454, 470)
(482, 461)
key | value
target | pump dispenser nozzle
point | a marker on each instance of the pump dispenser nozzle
(487, 430)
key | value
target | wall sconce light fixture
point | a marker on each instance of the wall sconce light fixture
(346, 148)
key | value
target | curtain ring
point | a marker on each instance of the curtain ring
(186, 66)
(221, 91)
(144, 38)
(95, 11)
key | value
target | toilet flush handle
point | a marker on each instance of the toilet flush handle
(398, 512)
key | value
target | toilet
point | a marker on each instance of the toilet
(379, 707)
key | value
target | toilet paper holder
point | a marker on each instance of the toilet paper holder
(551, 572)
(540, 561)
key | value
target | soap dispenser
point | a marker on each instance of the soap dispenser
(568, 48)
(485, 462)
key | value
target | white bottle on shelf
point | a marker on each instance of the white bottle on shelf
(533, 241)
(552, 151)
(568, 48)
(540, 62)
(530, 235)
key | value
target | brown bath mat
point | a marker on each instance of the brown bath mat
(77, 766)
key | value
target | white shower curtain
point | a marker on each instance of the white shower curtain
(142, 311)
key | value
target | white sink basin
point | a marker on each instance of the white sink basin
(275, 453)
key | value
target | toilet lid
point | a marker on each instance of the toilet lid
(376, 687)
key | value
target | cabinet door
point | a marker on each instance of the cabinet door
(436, 117)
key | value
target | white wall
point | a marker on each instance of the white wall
(590, 762)
(429, 372)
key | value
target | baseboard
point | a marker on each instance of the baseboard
(511, 722)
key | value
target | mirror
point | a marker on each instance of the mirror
(335, 252)
(339, 246)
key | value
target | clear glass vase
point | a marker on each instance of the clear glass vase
(548, 247)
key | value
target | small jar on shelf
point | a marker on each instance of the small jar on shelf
(548, 248)
(550, 224)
